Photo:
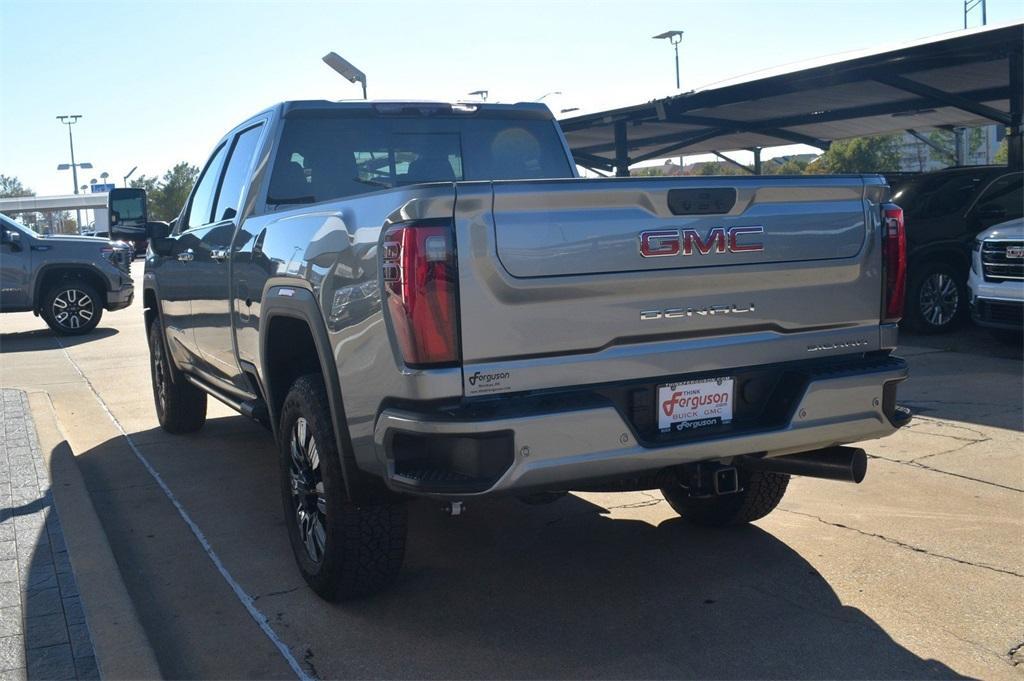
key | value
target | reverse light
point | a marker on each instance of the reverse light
(894, 262)
(420, 286)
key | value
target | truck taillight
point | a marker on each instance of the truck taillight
(894, 261)
(421, 292)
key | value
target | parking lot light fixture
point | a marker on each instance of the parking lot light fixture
(674, 37)
(482, 94)
(130, 172)
(346, 69)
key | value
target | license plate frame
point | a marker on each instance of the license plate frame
(692, 405)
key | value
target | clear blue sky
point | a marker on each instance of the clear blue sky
(159, 82)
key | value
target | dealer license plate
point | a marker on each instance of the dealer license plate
(694, 404)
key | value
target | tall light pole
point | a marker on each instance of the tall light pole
(125, 178)
(674, 37)
(971, 4)
(351, 73)
(70, 120)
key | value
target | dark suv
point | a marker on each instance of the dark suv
(69, 280)
(944, 211)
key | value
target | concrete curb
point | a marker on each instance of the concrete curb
(121, 646)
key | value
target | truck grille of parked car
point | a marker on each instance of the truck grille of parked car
(997, 265)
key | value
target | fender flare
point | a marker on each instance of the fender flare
(302, 305)
(148, 284)
(41, 273)
(946, 251)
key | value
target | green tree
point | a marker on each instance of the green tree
(1002, 153)
(175, 186)
(718, 168)
(166, 196)
(791, 166)
(859, 155)
(11, 187)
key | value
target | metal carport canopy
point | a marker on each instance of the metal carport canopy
(971, 77)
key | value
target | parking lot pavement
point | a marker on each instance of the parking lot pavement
(916, 573)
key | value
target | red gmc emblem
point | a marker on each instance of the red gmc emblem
(661, 242)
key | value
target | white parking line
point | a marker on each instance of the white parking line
(244, 597)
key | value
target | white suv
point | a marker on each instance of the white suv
(996, 282)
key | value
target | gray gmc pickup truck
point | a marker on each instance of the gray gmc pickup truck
(424, 299)
(68, 280)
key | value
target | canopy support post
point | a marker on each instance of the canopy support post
(621, 150)
(1014, 148)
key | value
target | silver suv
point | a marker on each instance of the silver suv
(69, 280)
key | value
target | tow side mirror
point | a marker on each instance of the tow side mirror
(158, 234)
(127, 206)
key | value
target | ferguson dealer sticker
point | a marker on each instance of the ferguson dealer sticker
(486, 382)
(694, 404)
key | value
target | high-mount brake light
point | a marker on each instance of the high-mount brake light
(894, 261)
(421, 292)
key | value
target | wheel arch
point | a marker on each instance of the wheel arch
(293, 342)
(946, 254)
(48, 275)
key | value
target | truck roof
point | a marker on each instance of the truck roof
(385, 106)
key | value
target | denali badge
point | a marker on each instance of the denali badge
(841, 345)
(705, 311)
(663, 242)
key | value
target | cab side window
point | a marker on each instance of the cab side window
(201, 207)
(1003, 197)
(236, 173)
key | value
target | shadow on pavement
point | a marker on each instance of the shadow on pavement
(44, 338)
(506, 591)
(967, 338)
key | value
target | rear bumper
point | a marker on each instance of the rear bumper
(552, 446)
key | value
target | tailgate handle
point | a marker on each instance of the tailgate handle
(706, 201)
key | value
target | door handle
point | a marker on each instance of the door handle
(219, 254)
(187, 256)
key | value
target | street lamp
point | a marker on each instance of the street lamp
(125, 178)
(553, 92)
(674, 37)
(69, 120)
(351, 73)
(482, 94)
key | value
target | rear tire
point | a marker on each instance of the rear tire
(72, 307)
(936, 298)
(180, 406)
(759, 494)
(344, 550)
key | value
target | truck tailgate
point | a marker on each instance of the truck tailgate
(555, 288)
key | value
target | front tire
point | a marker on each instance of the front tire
(759, 494)
(936, 298)
(72, 307)
(343, 549)
(180, 406)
